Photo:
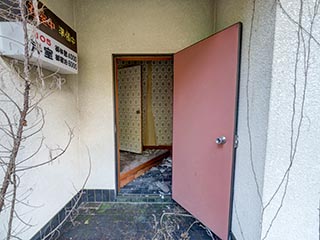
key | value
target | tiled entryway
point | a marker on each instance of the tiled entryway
(133, 221)
(142, 210)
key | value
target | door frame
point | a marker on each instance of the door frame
(236, 119)
(115, 59)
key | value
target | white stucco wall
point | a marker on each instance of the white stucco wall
(51, 186)
(140, 26)
(56, 184)
(299, 216)
(254, 93)
(271, 93)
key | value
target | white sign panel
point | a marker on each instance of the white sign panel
(46, 51)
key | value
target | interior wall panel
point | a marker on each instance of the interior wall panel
(162, 97)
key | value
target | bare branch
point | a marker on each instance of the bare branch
(55, 231)
(295, 137)
(33, 154)
(9, 121)
(248, 80)
(297, 23)
(13, 204)
(52, 158)
(11, 100)
(294, 102)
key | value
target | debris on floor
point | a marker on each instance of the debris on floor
(144, 210)
(156, 181)
(135, 221)
(163, 187)
(129, 160)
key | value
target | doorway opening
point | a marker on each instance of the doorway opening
(206, 76)
(144, 119)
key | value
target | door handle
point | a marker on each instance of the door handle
(221, 140)
(138, 112)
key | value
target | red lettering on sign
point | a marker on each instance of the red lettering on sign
(43, 39)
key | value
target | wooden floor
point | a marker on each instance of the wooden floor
(128, 176)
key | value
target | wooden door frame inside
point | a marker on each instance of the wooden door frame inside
(115, 59)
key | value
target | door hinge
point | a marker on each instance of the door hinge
(236, 141)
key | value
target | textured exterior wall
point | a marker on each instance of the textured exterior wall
(51, 186)
(255, 76)
(107, 27)
(294, 121)
(282, 95)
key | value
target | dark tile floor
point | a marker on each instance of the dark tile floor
(143, 210)
(133, 221)
(156, 181)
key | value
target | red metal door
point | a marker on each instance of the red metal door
(205, 104)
